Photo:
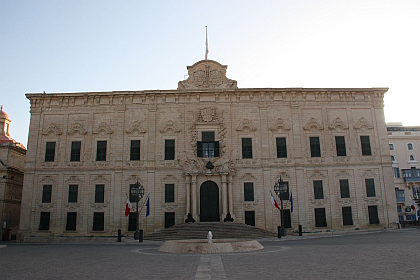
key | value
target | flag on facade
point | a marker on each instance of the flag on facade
(291, 202)
(128, 207)
(274, 202)
(207, 44)
(147, 207)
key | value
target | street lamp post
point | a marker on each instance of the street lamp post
(280, 188)
(136, 194)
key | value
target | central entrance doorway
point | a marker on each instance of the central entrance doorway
(209, 202)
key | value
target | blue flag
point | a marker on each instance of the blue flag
(291, 202)
(147, 207)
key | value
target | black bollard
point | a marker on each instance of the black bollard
(141, 236)
(279, 232)
(300, 230)
(119, 235)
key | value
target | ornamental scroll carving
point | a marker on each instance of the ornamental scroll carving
(313, 124)
(77, 128)
(136, 128)
(338, 125)
(53, 128)
(103, 127)
(279, 125)
(207, 74)
(363, 124)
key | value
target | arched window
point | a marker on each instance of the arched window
(392, 158)
(411, 158)
(410, 146)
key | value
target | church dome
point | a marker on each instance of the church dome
(3, 114)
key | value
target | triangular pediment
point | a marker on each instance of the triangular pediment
(207, 74)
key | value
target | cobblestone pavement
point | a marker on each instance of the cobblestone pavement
(393, 254)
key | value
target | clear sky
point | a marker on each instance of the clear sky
(99, 45)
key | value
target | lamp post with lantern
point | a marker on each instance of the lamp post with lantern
(136, 194)
(280, 188)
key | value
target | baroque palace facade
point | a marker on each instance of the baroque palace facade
(86, 149)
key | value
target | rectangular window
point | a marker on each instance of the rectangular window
(347, 216)
(169, 149)
(373, 215)
(391, 147)
(365, 142)
(246, 147)
(73, 193)
(250, 218)
(286, 194)
(281, 147)
(208, 148)
(287, 218)
(370, 188)
(400, 196)
(344, 188)
(169, 219)
(340, 145)
(44, 221)
(315, 147)
(132, 221)
(99, 193)
(318, 190)
(135, 150)
(50, 151)
(320, 218)
(249, 191)
(396, 172)
(169, 193)
(71, 220)
(46, 193)
(101, 151)
(98, 221)
(75, 150)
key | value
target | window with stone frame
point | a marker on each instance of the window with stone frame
(365, 144)
(373, 215)
(347, 216)
(75, 150)
(73, 190)
(281, 147)
(49, 151)
(101, 150)
(410, 146)
(344, 188)
(71, 221)
(46, 193)
(340, 145)
(315, 146)
(318, 190)
(99, 193)
(370, 188)
(135, 150)
(208, 147)
(248, 191)
(98, 221)
(169, 149)
(169, 193)
(246, 148)
(320, 217)
(44, 221)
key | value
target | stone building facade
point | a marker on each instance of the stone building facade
(404, 146)
(12, 164)
(329, 145)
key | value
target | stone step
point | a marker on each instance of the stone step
(219, 231)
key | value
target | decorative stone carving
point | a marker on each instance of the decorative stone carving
(52, 128)
(248, 177)
(207, 74)
(363, 124)
(317, 175)
(77, 128)
(313, 124)
(136, 128)
(338, 125)
(103, 127)
(170, 126)
(246, 125)
(342, 174)
(279, 125)
(207, 114)
(345, 201)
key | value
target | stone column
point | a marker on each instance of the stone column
(224, 196)
(230, 188)
(188, 186)
(194, 196)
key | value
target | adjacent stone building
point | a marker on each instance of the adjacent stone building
(404, 145)
(12, 163)
(208, 148)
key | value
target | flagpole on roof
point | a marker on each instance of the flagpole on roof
(207, 45)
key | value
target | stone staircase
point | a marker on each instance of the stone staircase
(219, 230)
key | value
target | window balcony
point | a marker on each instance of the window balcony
(411, 175)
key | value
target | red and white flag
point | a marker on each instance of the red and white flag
(128, 207)
(207, 45)
(274, 202)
